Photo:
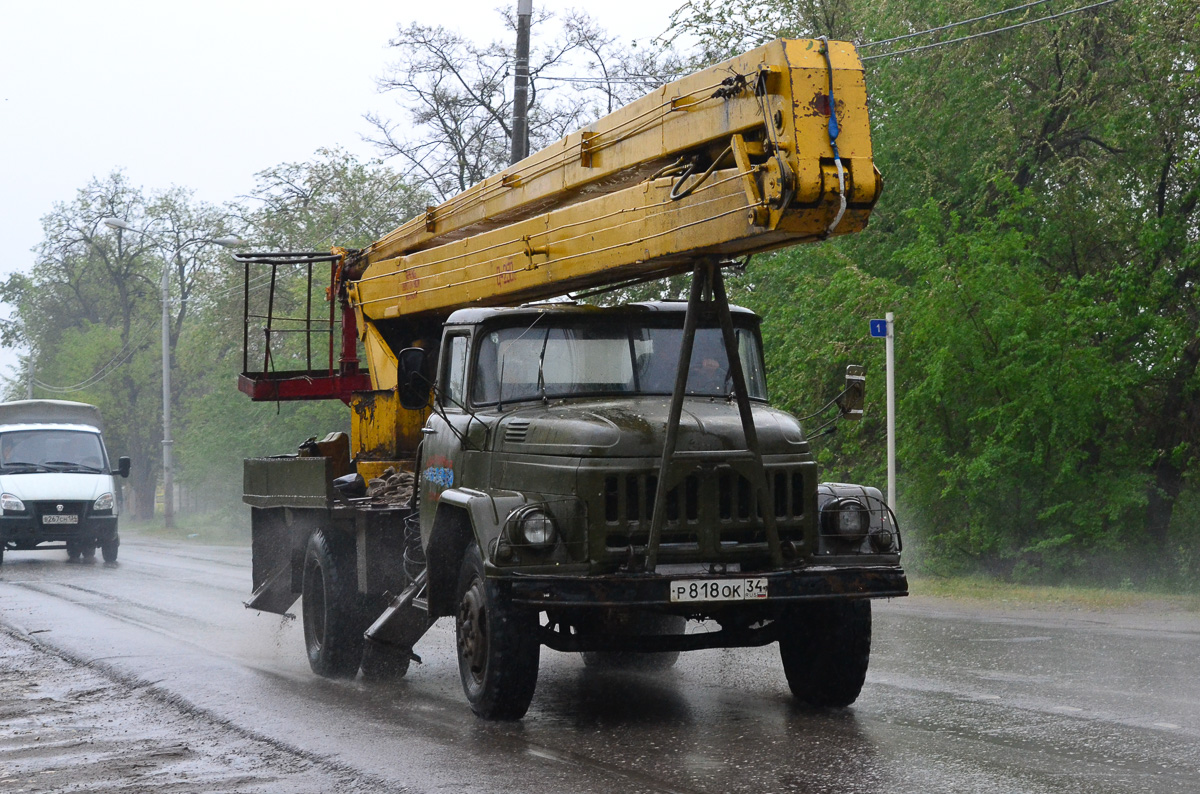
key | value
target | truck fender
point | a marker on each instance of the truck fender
(463, 516)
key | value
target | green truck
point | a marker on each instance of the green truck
(545, 513)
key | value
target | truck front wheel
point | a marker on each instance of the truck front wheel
(498, 648)
(333, 630)
(825, 648)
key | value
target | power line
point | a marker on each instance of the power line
(628, 78)
(123, 356)
(953, 24)
(113, 364)
(989, 32)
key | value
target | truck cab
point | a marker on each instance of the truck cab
(538, 478)
(56, 480)
(559, 413)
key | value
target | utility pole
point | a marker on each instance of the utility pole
(520, 122)
(168, 440)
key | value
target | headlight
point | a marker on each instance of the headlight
(534, 526)
(882, 540)
(105, 502)
(8, 502)
(847, 518)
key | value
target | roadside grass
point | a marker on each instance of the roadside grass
(998, 593)
(220, 530)
(213, 530)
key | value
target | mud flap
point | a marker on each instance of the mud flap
(273, 561)
(405, 620)
(275, 593)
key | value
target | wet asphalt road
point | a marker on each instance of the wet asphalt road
(956, 700)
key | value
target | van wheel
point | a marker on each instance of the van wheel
(498, 648)
(825, 648)
(108, 549)
(333, 625)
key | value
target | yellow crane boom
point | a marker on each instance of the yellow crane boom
(731, 160)
(769, 149)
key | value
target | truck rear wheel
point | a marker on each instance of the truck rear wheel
(333, 622)
(498, 648)
(825, 648)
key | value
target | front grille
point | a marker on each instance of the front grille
(717, 500)
(39, 509)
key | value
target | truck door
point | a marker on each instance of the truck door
(453, 436)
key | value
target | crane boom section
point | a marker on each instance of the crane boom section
(735, 159)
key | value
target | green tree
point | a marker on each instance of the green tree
(1038, 242)
(90, 310)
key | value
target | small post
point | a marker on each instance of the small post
(886, 328)
(890, 369)
(520, 122)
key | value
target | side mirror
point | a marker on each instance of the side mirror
(122, 467)
(850, 402)
(413, 386)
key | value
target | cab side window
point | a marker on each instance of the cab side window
(454, 367)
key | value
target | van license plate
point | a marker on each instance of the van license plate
(56, 518)
(718, 589)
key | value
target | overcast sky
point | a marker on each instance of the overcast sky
(204, 93)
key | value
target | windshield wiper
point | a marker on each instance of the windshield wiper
(68, 465)
(20, 464)
(541, 381)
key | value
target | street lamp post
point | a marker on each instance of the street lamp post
(165, 285)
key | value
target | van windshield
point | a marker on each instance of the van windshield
(567, 357)
(51, 450)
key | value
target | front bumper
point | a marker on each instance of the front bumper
(24, 531)
(652, 590)
(752, 622)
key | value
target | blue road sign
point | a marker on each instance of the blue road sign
(879, 328)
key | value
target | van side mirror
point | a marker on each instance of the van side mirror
(413, 385)
(122, 467)
(850, 402)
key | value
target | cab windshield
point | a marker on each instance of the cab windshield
(554, 358)
(51, 450)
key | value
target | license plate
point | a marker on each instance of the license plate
(718, 589)
(55, 518)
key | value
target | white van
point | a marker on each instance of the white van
(56, 482)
